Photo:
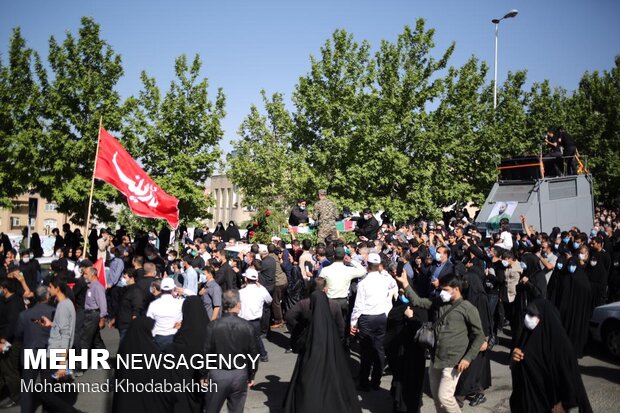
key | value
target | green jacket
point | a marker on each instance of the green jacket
(453, 335)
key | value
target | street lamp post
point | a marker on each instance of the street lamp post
(511, 13)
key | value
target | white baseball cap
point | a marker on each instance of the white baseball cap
(374, 258)
(167, 284)
(251, 274)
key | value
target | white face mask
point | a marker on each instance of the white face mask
(531, 321)
(582, 257)
(122, 282)
(445, 296)
(26, 260)
(592, 263)
(203, 278)
(170, 258)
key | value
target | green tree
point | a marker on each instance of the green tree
(263, 162)
(78, 91)
(176, 136)
(362, 121)
(20, 121)
(595, 124)
(463, 124)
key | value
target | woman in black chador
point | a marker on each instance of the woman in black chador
(545, 375)
(139, 340)
(190, 340)
(572, 295)
(322, 380)
(231, 232)
(405, 357)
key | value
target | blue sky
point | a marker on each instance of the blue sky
(248, 45)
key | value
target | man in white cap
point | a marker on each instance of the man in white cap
(167, 313)
(369, 321)
(253, 298)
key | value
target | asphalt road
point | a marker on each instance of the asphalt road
(601, 377)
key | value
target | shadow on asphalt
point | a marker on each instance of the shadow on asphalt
(610, 374)
(275, 391)
(279, 339)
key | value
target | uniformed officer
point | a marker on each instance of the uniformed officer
(325, 213)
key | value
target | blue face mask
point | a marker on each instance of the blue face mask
(505, 263)
(556, 246)
(538, 241)
(523, 265)
(403, 299)
(572, 269)
(438, 257)
(576, 245)
(203, 278)
(566, 240)
(122, 282)
(559, 265)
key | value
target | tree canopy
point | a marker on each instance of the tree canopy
(395, 128)
(401, 130)
(49, 122)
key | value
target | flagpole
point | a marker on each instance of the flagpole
(92, 188)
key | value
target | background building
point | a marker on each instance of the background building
(227, 202)
(12, 221)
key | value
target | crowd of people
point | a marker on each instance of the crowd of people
(378, 296)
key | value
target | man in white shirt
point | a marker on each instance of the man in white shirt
(369, 321)
(167, 311)
(253, 298)
(204, 253)
(338, 278)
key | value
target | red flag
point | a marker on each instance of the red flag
(146, 199)
(100, 267)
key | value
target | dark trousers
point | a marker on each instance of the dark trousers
(9, 371)
(164, 342)
(276, 304)
(557, 164)
(29, 402)
(79, 329)
(91, 336)
(571, 163)
(265, 319)
(493, 300)
(121, 335)
(371, 335)
(256, 324)
(343, 303)
(232, 388)
(60, 402)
